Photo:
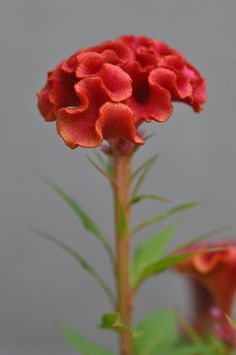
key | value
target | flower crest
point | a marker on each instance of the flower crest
(105, 92)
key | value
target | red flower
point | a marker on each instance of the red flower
(107, 91)
(213, 276)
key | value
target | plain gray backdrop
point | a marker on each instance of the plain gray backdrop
(40, 286)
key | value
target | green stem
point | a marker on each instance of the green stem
(123, 240)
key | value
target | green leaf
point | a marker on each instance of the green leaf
(160, 333)
(143, 171)
(144, 165)
(161, 265)
(81, 344)
(139, 198)
(188, 329)
(193, 349)
(82, 261)
(219, 347)
(201, 238)
(87, 221)
(167, 214)
(100, 158)
(150, 251)
(101, 170)
(231, 321)
(169, 262)
(113, 321)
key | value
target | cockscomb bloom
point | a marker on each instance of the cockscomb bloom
(105, 92)
(213, 284)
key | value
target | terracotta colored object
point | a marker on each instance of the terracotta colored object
(107, 91)
(213, 286)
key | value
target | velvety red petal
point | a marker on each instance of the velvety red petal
(135, 42)
(146, 57)
(221, 285)
(157, 106)
(117, 82)
(91, 93)
(190, 72)
(147, 101)
(121, 50)
(205, 263)
(136, 71)
(110, 56)
(178, 85)
(174, 62)
(139, 77)
(163, 49)
(44, 104)
(128, 40)
(99, 47)
(70, 64)
(199, 95)
(62, 91)
(116, 121)
(63, 94)
(88, 64)
(77, 128)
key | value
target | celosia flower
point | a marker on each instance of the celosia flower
(105, 92)
(213, 284)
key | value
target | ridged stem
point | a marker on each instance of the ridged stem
(121, 168)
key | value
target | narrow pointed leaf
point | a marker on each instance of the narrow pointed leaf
(151, 250)
(218, 346)
(139, 198)
(194, 349)
(110, 168)
(81, 344)
(203, 237)
(160, 334)
(101, 170)
(170, 261)
(143, 171)
(100, 158)
(188, 329)
(113, 321)
(231, 321)
(144, 165)
(167, 214)
(160, 266)
(82, 261)
(87, 221)
(105, 162)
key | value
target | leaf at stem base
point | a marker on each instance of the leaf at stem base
(81, 344)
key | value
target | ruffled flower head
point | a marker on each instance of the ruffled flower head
(105, 92)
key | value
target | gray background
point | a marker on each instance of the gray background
(39, 284)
